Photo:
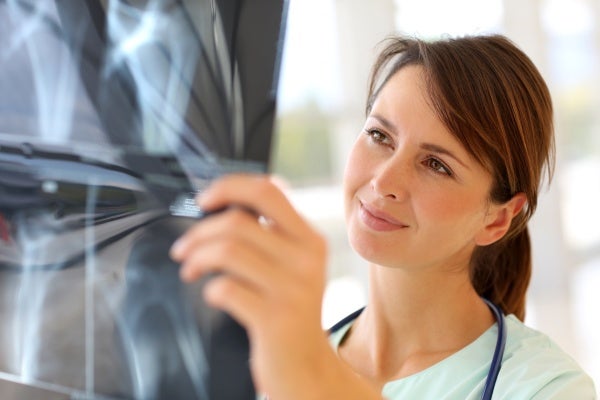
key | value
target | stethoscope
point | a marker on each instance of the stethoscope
(492, 376)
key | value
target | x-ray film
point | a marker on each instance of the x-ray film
(114, 114)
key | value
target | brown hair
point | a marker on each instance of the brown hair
(492, 98)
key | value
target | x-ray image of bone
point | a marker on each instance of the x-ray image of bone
(113, 115)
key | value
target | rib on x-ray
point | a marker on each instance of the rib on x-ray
(113, 115)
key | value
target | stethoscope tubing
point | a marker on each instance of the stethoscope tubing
(492, 376)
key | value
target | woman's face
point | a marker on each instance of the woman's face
(414, 197)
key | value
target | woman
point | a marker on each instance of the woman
(438, 189)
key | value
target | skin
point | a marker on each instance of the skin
(432, 200)
(414, 212)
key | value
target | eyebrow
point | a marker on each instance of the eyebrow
(426, 146)
(441, 150)
(383, 121)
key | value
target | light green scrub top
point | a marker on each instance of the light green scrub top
(533, 367)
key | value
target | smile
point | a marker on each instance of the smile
(378, 220)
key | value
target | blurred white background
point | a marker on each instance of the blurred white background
(330, 45)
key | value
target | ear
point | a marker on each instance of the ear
(499, 218)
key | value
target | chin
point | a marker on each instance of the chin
(370, 249)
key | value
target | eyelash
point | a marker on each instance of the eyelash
(441, 168)
(377, 136)
(381, 138)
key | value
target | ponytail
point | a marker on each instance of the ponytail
(501, 272)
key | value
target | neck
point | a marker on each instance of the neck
(415, 319)
(405, 298)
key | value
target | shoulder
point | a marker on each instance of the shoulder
(534, 367)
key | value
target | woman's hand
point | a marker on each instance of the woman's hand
(273, 277)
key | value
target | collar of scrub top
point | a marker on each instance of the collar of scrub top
(496, 363)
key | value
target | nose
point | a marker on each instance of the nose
(391, 179)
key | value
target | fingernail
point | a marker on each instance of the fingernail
(201, 198)
(184, 274)
(177, 248)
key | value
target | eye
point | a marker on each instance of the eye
(438, 166)
(377, 136)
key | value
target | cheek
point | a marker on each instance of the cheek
(354, 174)
(456, 211)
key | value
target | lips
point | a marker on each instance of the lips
(378, 220)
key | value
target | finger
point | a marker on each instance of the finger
(234, 257)
(235, 297)
(257, 193)
(234, 223)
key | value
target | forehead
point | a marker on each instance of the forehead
(410, 77)
(404, 101)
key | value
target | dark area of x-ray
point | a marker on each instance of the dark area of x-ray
(113, 115)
